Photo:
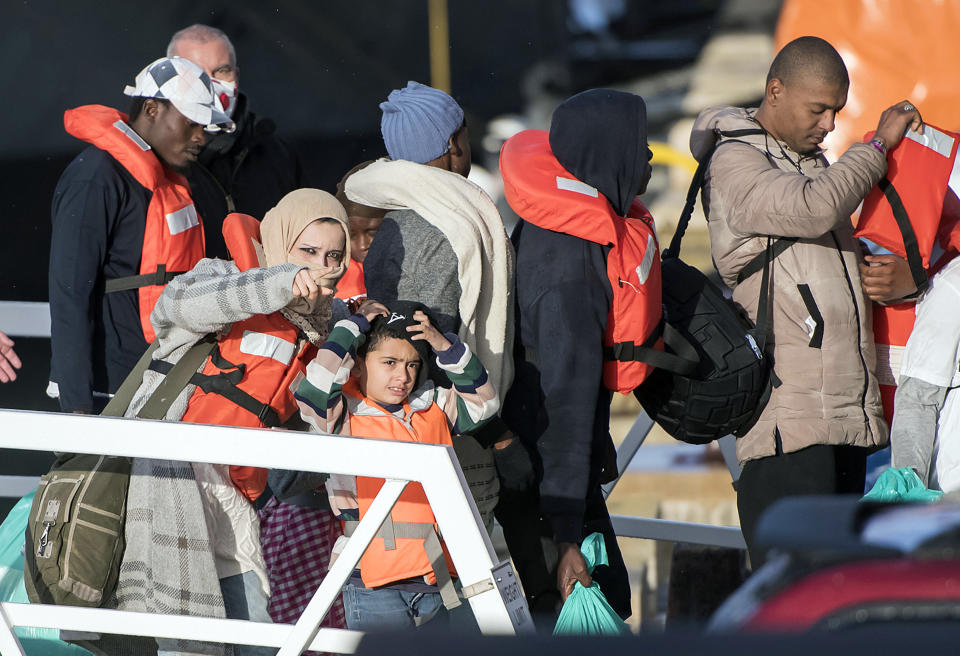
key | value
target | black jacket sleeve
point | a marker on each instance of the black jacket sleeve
(85, 208)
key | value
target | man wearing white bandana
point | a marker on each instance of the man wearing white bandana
(124, 224)
(248, 170)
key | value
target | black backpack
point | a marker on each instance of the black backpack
(714, 377)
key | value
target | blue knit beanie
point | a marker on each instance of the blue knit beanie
(417, 122)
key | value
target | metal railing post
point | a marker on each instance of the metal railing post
(9, 643)
(306, 627)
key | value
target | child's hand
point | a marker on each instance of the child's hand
(372, 309)
(425, 330)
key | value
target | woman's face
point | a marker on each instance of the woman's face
(321, 243)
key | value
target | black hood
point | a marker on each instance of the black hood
(600, 136)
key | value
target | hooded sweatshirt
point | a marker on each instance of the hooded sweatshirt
(558, 404)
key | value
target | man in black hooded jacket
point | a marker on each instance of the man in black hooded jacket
(558, 403)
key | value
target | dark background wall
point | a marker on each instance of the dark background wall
(318, 68)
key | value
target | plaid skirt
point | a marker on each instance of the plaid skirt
(296, 547)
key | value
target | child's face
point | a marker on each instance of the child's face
(389, 373)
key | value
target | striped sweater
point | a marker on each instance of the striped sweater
(323, 404)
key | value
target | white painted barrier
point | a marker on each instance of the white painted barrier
(33, 320)
(25, 319)
(434, 467)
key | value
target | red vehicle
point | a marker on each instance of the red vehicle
(836, 563)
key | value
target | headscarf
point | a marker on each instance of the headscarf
(282, 226)
(600, 136)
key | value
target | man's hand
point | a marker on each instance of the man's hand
(886, 278)
(372, 309)
(894, 123)
(571, 567)
(9, 361)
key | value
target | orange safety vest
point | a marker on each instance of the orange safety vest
(173, 233)
(251, 369)
(381, 564)
(905, 215)
(351, 285)
(545, 194)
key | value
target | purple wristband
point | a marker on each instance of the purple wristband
(879, 145)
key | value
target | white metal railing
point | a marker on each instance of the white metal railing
(434, 467)
(25, 319)
(661, 529)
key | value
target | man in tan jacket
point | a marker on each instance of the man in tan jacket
(768, 183)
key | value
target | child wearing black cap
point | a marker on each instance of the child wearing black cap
(397, 587)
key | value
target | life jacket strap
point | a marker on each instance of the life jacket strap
(910, 243)
(225, 384)
(391, 530)
(683, 360)
(159, 277)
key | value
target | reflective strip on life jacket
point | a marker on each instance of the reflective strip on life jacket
(545, 194)
(173, 232)
(267, 346)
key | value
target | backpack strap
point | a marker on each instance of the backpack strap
(696, 184)
(176, 379)
(683, 360)
(686, 358)
(118, 405)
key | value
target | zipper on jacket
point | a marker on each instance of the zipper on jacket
(856, 311)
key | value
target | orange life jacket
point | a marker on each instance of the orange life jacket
(407, 559)
(920, 172)
(545, 194)
(251, 369)
(173, 233)
(351, 285)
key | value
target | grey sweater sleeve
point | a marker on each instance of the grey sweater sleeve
(918, 405)
(215, 294)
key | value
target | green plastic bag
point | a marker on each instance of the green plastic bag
(35, 642)
(586, 611)
(901, 484)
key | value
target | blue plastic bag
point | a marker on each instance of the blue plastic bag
(35, 642)
(586, 611)
(901, 484)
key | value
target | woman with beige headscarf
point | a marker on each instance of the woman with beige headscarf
(193, 536)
